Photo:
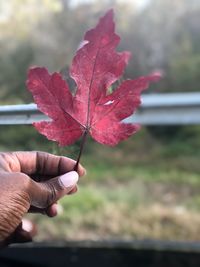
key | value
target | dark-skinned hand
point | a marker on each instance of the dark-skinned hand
(32, 182)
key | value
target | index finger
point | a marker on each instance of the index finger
(37, 162)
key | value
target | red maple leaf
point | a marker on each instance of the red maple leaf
(95, 67)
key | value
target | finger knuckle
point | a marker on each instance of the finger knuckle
(51, 193)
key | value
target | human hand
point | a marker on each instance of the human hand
(32, 182)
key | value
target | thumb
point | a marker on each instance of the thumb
(45, 193)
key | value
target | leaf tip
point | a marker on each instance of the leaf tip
(157, 75)
(110, 13)
(108, 19)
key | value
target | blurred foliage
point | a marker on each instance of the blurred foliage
(13, 75)
(161, 35)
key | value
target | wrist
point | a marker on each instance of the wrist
(13, 206)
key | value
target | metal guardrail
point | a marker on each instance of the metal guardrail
(168, 109)
(156, 109)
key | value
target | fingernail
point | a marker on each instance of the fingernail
(69, 179)
(27, 225)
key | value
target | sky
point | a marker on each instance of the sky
(6, 8)
(140, 3)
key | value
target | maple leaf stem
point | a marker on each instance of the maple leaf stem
(81, 149)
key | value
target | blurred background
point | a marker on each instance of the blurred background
(148, 186)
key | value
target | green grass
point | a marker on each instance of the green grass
(134, 210)
(146, 187)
